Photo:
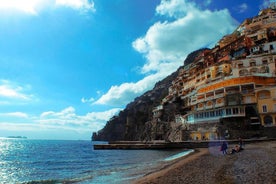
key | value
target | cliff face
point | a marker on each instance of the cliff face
(135, 121)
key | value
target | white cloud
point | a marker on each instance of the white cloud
(68, 118)
(175, 8)
(63, 122)
(27, 6)
(207, 2)
(90, 100)
(77, 4)
(242, 8)
(11, 91)
(15, 114)
(34, 6)
(167, 43)
(124, 93)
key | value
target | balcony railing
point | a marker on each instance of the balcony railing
(210, 98)
(200, 100)
(249, 101)
(219, 104)
(200, 108)
(219, 95)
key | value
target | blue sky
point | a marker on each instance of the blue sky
(67, 66)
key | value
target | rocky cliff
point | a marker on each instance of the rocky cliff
(135, 122)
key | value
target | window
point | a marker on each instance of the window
(212, 114)
(200, 115)
(271, 47)
(264, 62)
(235, 111)
(242, 110)
(264, 108)
(219, 112)
(228, 112)
(268, 120)
(253, 63)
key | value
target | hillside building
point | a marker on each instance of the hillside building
(234, 81)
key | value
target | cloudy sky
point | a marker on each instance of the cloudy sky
(67, 66)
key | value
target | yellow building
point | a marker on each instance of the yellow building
(204, 134)
(267, 105)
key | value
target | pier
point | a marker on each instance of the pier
(158, 145)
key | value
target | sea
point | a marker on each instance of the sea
(64, 161)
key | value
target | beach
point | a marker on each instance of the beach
(255, 164)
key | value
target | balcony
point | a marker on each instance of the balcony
(193, 102)
(219, 95)
(209, 98)
(219, 105)
(200, 108)
(219, 102)
(200, 100)
(249, 100)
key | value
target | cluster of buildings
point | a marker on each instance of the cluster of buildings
(237, 78)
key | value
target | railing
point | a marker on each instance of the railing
(209, 106)
(249, 101)
(200, 100)
(200, 108)
(234, 115)
(210, 98)
(219, 95)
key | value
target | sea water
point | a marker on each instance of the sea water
(49, 161)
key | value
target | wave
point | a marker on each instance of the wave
(64, 181)
(178, 155)
(43, 182)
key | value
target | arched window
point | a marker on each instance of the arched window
(209, 103)
(264, 69)
(243, 72)
(201, 105)
(253, 70)
(252, 63)
(220, 100)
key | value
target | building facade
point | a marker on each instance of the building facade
(235, 79)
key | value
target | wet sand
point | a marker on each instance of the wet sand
(255, 164)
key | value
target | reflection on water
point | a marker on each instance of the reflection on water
(9, 152)
(23, 160)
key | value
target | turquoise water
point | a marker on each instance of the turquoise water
(26, 161)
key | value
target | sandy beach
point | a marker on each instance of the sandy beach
(255, 164)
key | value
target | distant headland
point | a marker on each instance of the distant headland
(17, 137)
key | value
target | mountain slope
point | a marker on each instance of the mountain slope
(131, 123)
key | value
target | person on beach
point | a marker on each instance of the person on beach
(241, 143)
(224, 148)
(236, 149)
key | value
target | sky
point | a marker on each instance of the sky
(68, 66)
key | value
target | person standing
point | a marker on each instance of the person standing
(224, 148)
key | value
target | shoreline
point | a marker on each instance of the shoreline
(255, 164)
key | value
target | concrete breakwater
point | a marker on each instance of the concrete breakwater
(171, 145)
